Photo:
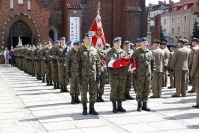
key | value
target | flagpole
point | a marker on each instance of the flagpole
(98, 8)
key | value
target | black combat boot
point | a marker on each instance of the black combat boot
(84, 109)
(48, 83)
(72, 99)
(114, 107)
(144, 107)
(62, 90)
(128, 96)
(92, 109)
(100, 98)
(120, 108)
(139, 106)
(43, 79)
(39, 77)
(55, 86)
(77, 99)
(65, 89)
(51, 82)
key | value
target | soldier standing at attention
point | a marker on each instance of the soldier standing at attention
(145, 62)
(89, 66)
(54, 64)
(195, 75)
(195, 46)
(71, 72)
(117, 75)
(179, 64)
(158, 73)
(171, 72)
(166, 58)
(126, 47)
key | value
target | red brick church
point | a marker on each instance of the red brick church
(41, 20)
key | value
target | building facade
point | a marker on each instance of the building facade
(178, 20)
(43, 20)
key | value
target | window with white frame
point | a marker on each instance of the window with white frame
(165, 21)
(178, 29)
(178, 20)
(172, 20)
(164, 31)
(11, 4)
(29, 6)
(172, 31)
(185, 18)
(185, 29)
(185, 7)
(20, 1)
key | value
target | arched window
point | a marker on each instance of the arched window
(152, 23)
(53, 33)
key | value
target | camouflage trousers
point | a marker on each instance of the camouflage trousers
(88, 85)
(42, 69)
(102, 83)
(55, 76)
(47, 67)
(128, 82)
(38, 68)
(143, 87)
(117, 82)
(62, 74)
(74, 87)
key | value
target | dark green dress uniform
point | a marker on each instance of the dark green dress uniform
(145, 62)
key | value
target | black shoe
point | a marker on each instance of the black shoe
(77, 99)
(47, 83)
(65, 89)
(114, 107)
(139, 106)
(92, 109)
(175, 96)
(153, 97)
(55, 86)
(128, 96)
(62, 90)
(51, 82)
(191, 91)
(100, 98)
(120, 108)
(84, 109)
(72, 99)
(145, 107)
(195, 106)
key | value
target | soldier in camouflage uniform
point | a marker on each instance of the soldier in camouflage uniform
(102, 76)
(38, 61)
(126, 47)
(54, 65)
(61, 65)
(117, 76)
(144, 69)
(71, 72)
(89, 66)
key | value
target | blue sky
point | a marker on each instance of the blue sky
(156, 1)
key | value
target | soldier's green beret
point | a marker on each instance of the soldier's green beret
(157, 41)
(82, 41)
(143, 39)
(57, 41)
(117, 39)
(76, 43)
(195, 40)
(127, 42)
(68, 43)
(87, 35)
(63, 38)
(39, 43)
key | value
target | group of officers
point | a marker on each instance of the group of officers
(88, 69)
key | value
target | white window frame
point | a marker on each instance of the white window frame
(172, 30)
(178, 19)
(165, 21)
(11, 4)
(29, 5)
(184, 18)
(172, 20)
(185, 29)
(20, 2)
(178, 30)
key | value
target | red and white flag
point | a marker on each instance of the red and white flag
(19, 41)
(97, 32)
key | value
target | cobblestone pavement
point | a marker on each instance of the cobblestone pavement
(29, 106)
